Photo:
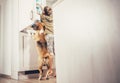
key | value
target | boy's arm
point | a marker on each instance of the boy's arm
(41, 9)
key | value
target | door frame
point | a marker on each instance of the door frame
(1, 34)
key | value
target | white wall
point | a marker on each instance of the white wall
(0, 43)
(9, 60)
(16, 16)
(87, 41)
(7, 38)
(25, 8)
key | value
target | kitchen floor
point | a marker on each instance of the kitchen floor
(6, 80)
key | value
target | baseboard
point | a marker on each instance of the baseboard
(5, 76)
(30, 74)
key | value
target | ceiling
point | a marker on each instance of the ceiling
(51, 2)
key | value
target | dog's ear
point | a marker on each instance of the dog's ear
(33, 25)
(43, 26)
(40, 26)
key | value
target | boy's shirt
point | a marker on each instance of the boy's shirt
(48, 22)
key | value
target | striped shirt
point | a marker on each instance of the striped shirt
(48, 22)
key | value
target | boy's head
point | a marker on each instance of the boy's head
(47, 11)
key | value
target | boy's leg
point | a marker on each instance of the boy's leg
(50, 43)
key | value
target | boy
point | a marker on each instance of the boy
(47, 19)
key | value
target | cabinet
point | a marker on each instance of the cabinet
(28, 54)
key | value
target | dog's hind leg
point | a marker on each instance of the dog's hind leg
(40, 73)
(50, 71)
(40, 70)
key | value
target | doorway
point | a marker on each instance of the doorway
(0, 42)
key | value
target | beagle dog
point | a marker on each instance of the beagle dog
(44, 57)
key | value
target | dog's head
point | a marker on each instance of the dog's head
(38, 25)
(38, 31)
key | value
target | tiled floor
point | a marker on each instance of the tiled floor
(5, 80)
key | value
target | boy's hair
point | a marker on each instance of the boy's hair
(46, 11)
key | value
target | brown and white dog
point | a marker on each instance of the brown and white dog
(44, 57)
